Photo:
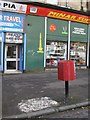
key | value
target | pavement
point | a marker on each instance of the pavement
(43, 92)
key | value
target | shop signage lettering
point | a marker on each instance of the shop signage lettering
(11, 22)
(13, 7)
(79, 31)
(67, 17)
(12, 18)
(8, 5)
(60, 14)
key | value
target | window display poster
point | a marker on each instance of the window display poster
(79, 32)
(11, 22)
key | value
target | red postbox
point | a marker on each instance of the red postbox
(66, 70)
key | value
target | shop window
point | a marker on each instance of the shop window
(55, 51)
(78, 53)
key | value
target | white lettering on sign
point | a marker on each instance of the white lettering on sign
(6, 24)
(11, 29)
(12, 19)
(13, 7)
(79, 31)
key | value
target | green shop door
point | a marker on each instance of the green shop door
(35, 43)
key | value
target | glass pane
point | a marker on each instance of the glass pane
(11, 51)
(11, 64)
(18, 65)
(18, 51)
(78, 53)
(55, 51)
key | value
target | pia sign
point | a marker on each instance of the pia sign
(12, 7)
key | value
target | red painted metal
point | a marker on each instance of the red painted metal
(66, 70)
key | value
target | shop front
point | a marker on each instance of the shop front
(79, 43)
(64, 37)
(66, 40)
(13, 52)
(12, 44)
(35, 38)
(57, 41)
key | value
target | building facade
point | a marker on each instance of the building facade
(12, 36)
(76, 5)
(61, 39)
(35, 37)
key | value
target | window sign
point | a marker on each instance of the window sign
(11, 22)
(80, 31)
(14, 37)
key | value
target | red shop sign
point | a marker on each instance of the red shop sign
(59, 14)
